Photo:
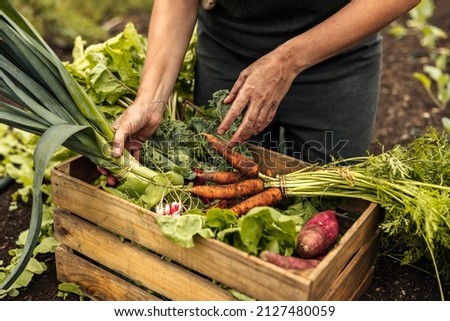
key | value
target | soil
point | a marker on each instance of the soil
(404, 112)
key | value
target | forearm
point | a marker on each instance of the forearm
(170, 30)
(358, 20)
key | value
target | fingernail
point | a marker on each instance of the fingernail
(116, 152)
(220, 131)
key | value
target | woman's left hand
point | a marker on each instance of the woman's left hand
(259, 91)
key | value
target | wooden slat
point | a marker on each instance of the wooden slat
(278, 163)
(354, 273)
(151, 271)
(362, 288)
(361, 233)
(95, 282)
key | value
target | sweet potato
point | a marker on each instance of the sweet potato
(318, 234)
(289, 262)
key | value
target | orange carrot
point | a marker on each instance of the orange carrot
(239, 189)
(243, 164)
(269, 172)
(221, 177)
(226, 203)
(268, 197)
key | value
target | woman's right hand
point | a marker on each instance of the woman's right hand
(170, 30)
(135, 126)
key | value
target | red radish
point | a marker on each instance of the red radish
(318, 234)
(289, 262)
(173, 209)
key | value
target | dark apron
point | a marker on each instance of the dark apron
(330, 108)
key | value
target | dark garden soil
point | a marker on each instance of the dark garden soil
(405, 111)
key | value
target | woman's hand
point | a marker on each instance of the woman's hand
(259, 91)
(170, 30)
(262, 85)
(135, 126)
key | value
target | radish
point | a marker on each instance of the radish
(173, 209)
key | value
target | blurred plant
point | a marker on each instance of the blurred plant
(65, 289)
(16, 161)
(436, 80)
(418, 24)
(435, 77)
(60, 21)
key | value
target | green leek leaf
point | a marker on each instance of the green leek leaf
(49, 142)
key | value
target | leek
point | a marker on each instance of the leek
(38, 95)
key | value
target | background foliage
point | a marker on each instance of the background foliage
(435, 76)
(63, 20)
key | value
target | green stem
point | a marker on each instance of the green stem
(441, 290)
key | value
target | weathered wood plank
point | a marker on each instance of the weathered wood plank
(354, 273)
(153, 272)
(95, 282)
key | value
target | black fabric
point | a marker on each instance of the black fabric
(330, 108)
(251, 28)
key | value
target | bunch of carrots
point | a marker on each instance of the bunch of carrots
(239, 190)
(243, 189)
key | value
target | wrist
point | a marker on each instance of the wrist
(294, 56)
(149, 95)
(146, 101)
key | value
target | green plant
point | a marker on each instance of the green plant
(435, 77)
(418, 24)
(64, 289)
(436, 80)
(60, 21)
(16, 153)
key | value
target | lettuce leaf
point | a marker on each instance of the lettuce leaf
(260, 229)
(182, 229)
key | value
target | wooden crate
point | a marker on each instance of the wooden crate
(114, 250)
